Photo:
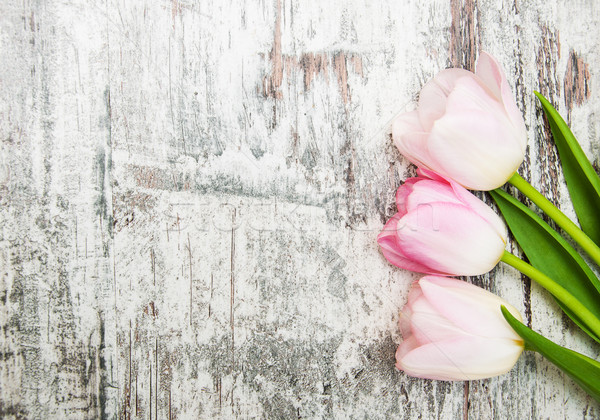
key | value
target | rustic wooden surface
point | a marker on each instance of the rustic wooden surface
(190, 194)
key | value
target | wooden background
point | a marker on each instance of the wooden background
(190, 194)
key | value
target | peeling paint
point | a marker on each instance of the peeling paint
(576, 83)
(190, 195)
(464, 40)
(311, 64)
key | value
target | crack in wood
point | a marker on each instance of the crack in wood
(547, 57)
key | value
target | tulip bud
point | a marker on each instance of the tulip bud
(467, 127)
(455, 331)
(441, 228)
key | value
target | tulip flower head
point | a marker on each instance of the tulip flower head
(454, 331)
(443, 229)
(467, 127)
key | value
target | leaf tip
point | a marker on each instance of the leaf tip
(540, 97)
(507, 315)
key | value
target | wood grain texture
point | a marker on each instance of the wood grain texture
(191, 191)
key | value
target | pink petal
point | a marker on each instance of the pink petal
(406, 346)
(442, 281)
(490, 73)
(414, 295)
(427, 191)
(407, 122)
(403, 193)
(429, 325)
(449, 238)
(432, 99)
(470, 94)
(409, 137)
(427, 173)
(465, 358)
(445, 282)
(413, 146)
(475, 149)
(493, 76)
(481, 208)
(406, 313)
(470, 308)
(388, 242)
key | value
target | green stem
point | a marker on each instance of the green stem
(587, 317)
(558, 216)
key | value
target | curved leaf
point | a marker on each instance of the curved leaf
(551, 254)
(582, 369)
(582, 180)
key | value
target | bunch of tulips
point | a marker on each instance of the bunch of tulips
(468, 133)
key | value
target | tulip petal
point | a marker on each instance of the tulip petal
(427, 191)
(471, 95)
(451, 239)
(408, 122)
(407, 133)
(481, 208)
(414, 295)
(403, 193)
(447, 282)
(493, 76)
(464, 196)
(432, 99)
(459, 359)
(387, 240)
(490, 72)
(475, 149)
(427, 173)
(428, 325)
(468, 307)
(412, 145)
(406, 346)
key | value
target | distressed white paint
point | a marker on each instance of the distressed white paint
(176, 243)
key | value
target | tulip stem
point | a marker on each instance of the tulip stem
(560, 293)
(558, 216)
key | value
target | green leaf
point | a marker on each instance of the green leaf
(582, 369)
(582, 180)
(552, 255)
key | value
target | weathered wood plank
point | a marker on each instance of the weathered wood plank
(191, 193)
(57, 289)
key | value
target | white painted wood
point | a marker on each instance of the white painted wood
(191, 193)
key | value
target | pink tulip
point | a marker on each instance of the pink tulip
(441, 228)
(467, 127)
(454, 331)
